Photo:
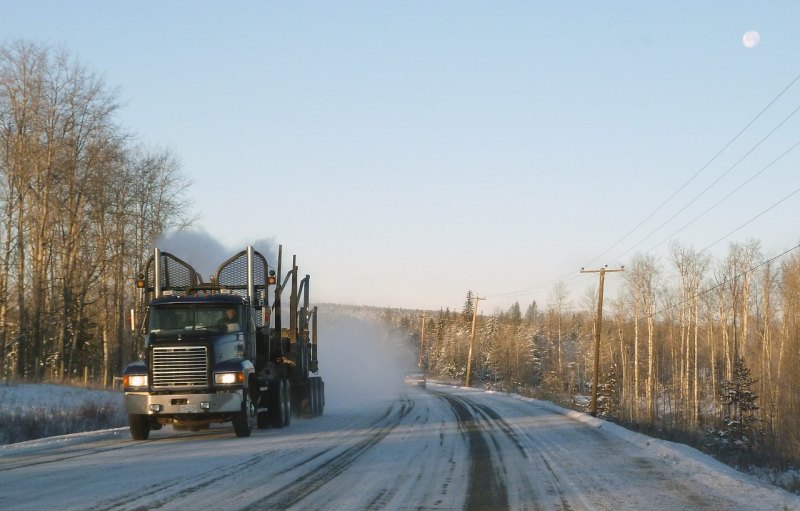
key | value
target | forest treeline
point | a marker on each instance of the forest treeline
(80, 203)
(692, 348)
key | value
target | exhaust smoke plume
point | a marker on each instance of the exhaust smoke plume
(205, 254)
(358, 360)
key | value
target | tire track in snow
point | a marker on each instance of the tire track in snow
(72, 454)
(176, 487)
(492, 415)
(487, 491)
(308, 483)
(495, 417)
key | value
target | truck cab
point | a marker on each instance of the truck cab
(197, 365)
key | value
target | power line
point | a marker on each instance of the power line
(685, 184)
(740, 227)
(752, 219)
(566, 276)
(728, 171)
(726, 281)
(725, 197)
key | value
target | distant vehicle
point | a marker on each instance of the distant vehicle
(416, 377)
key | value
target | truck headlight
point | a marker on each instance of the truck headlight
(229, 378)
(134, 380)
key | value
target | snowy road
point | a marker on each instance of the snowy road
(444, 448)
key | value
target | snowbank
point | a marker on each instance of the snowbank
(32, 411)
(687, 458)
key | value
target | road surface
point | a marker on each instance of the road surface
(440, 448)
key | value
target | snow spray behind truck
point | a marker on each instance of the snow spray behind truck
(217, 352)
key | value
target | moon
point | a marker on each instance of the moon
(751, 39)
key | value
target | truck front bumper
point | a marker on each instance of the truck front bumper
(142, 403)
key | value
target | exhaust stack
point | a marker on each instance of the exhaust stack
(251, 281)
(157, 273)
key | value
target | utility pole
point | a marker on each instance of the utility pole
(472, 339)
(598, 325)
(422, 342)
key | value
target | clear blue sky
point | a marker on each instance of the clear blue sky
(410, 151)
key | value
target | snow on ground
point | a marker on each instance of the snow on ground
(32, 411)
(681, 455)
(50, 396)
(696, 466)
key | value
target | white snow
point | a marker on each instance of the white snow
(29, 410)
(696, 465)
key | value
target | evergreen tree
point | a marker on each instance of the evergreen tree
(536, 342)
(608, 403)
(466, 312)
(490, 368)
(515, 314)
(532, 313)
(739, 426)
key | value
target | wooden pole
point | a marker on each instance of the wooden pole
(422, 342)
(598, 327)
(472, 338)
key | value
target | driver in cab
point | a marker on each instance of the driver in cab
(229, 322)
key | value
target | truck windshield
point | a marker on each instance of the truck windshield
(220, 318)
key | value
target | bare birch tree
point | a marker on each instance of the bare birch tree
(79, 206)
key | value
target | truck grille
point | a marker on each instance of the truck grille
(180, 366)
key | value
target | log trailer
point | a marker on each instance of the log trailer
(217, 352)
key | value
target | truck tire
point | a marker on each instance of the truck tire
(321, 396)
(312, 398)
(316, 402)
(277, 405)
(243, 421)
(287, 401)
(140, 426)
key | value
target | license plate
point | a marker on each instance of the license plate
(190, 409)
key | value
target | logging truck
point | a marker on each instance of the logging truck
(218, 352)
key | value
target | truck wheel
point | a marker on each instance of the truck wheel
(243, 421)
(315, 397)
(321, 396)
(277, 405)
(287, 401)
(312, 399)
(140, 426)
